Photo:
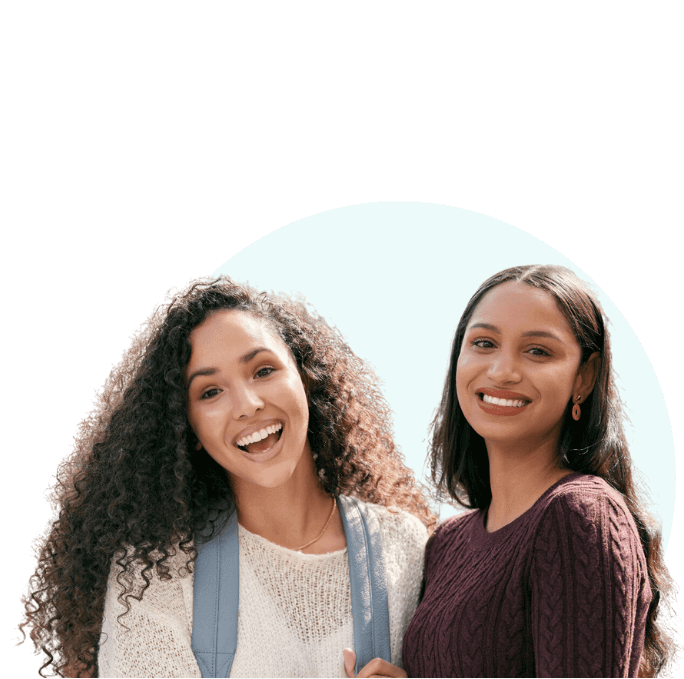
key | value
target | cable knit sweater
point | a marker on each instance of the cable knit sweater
(562, 591)
(294, 615)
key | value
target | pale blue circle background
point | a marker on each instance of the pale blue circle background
(395, 278)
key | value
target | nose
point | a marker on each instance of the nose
(504, 368)
(246, 401)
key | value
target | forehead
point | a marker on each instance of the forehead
(517, 306)
(230, 333)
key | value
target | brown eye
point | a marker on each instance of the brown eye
(209, 393)
(264, 372)
(538, 351)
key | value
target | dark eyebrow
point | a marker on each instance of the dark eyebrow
(248, 357)
(211, 371)
(529, 333)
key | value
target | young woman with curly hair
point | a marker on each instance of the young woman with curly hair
(557, 571)
(229, 403)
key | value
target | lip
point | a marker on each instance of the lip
(258, 426)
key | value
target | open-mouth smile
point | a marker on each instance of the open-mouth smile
(501, 402)
(261, 443)
(258, 435)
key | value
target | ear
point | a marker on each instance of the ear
(586, 376)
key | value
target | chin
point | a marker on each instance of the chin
(275, 477)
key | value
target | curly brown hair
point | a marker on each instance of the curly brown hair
(136, 488)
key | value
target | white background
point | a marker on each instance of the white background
(415, 266)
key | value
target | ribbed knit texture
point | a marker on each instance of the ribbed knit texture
(294, 615)
(562, 591)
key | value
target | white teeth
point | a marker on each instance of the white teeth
(503, 401)
(259, 435)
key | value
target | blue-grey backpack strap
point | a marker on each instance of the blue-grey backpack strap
(215, 608)
(368, 581)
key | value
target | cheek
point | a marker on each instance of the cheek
(205, 422)
(466, 367)
(557, 386)
(292, 397)
(562, 387)
(301, 403)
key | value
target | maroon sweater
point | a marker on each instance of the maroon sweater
(562, 591)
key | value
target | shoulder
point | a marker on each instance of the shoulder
(130, 575)
(586, 499)
(457, 524)
(586, 512)
(585, 534)
(455, 528)
(450, 536)
(398, 526)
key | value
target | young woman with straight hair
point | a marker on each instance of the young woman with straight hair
(557, 570)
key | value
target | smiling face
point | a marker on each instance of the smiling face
(246, 400)
(519, 367)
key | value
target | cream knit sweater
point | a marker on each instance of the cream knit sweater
(295, 612)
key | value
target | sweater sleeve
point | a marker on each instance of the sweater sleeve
(152, 639)
(589, 589)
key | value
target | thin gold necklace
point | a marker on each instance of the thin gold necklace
(320, 535)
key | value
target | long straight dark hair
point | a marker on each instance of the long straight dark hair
(594, 445)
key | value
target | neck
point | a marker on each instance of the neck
(289, 515)
(519, 476)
